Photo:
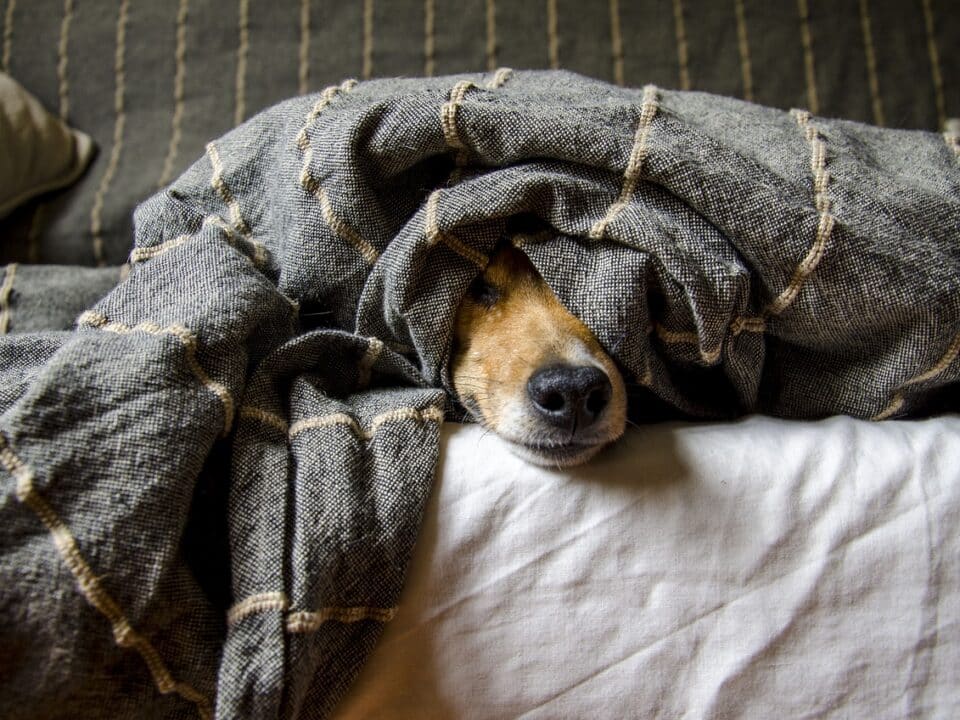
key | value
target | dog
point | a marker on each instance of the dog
(525, 367)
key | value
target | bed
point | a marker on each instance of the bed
(231, 486)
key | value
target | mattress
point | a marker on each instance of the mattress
(762, 568)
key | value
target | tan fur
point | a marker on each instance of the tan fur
(501, 344)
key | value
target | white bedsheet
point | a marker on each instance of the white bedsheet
(760, 569)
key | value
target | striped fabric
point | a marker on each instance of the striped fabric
(152, 83)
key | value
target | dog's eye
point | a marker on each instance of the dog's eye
(483, 293)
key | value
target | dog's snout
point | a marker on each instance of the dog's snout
(568, 396)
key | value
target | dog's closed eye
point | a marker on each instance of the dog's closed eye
(483, 292)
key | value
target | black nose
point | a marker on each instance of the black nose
(569, 396)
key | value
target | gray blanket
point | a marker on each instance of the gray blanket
(212, 485)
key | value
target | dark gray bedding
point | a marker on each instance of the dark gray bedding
(212, 487)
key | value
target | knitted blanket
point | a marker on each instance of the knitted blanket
(213, 483)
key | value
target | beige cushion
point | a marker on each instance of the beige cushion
(38, 152)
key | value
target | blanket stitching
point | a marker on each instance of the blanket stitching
(365, 368)
(631, 175)
(312, 185)
(825, 223)
(679, 337)
(89, 584)
(898, 400)
(63, 87)
(434, 234)
(249, 412)
(223, 190)
(448, 114)
(253, 604)
(952, 138)
(809, 65)
(430, 414)
(6, 294)
(187, 338)
(743, 45)
(258, 253)
(305, 622)
(120, 121)
(179, 78)
(870, 56)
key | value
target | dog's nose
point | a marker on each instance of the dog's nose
(569, 396)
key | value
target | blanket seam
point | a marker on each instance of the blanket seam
(258, 256)
(649, 106)
(89, 584)
(430, 414)
(187, 338)
(305, 621)
(898, 400)
(223, 190)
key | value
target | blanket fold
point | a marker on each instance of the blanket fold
(212, 485)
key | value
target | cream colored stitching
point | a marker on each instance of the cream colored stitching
(491, 35)
(6, 292)
(934, 54)
(825, 223)
(897, 401)
(305, 622)
(434, 234)
(743, 43)
(616, 42)
(243, 49)
(806, 40)
(631, 174)
(367, 39)
(369, 359)
(96, 213)
(8, 33)
(187, 339)
(312, 185)
(343, 420)
(62, 53)
(429, 20)
(871, 60)
(223, 190)
(500, 78)
(262, 602)
(89, 584)
(303, 72)
(259, 255)
(179, 77)
(952, 137)
(553, 38)
(677, 337)
(448, 114)
(249, 412)
(680, 35)
(821, 178)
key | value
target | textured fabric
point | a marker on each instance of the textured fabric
(38, 153)
(757, 569)
(152, 82)
(267, 373)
